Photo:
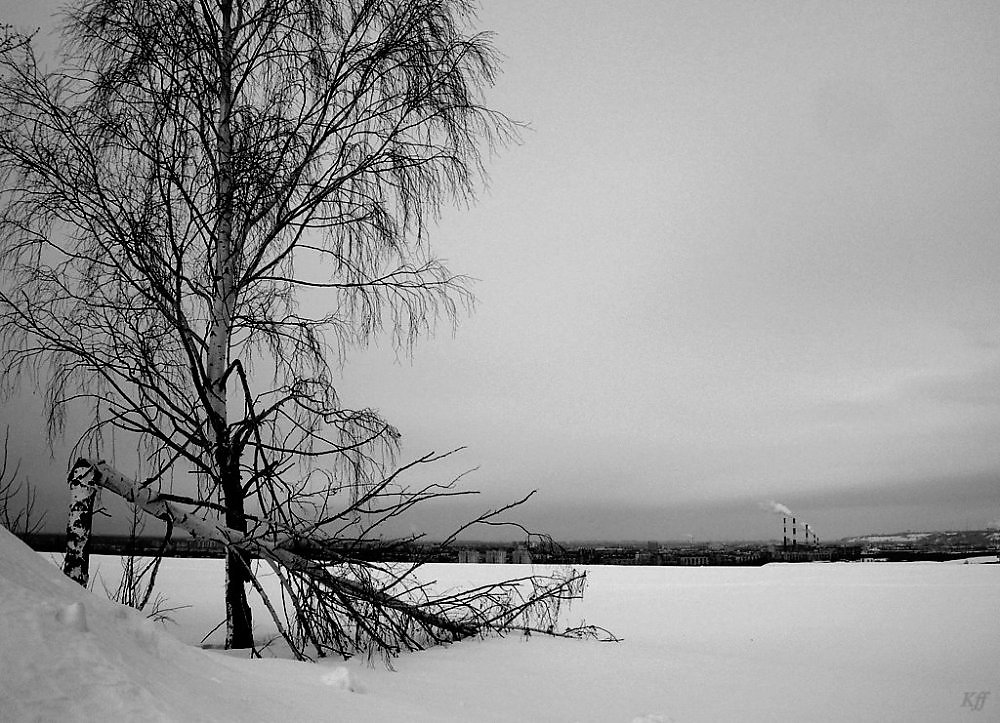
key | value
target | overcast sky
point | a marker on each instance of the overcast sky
(746, 252)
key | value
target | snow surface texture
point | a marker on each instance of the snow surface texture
(821, 642)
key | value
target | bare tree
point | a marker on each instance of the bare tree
(204, 208)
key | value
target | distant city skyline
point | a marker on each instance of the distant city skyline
(746, 252)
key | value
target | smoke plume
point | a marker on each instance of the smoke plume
(777, 508)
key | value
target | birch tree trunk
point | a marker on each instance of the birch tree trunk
(76, 565)
(239, 625)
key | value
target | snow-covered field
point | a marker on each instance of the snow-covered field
(821, 642)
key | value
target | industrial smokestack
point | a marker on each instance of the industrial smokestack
(793, 534)
(784, 533)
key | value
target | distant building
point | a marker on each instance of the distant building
(693, 560)
(521, 555)
(472, 556)
(802, 554)
(496, 557)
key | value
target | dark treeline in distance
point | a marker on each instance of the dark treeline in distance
(935, 547)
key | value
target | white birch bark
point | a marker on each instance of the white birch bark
(223, 304)
(76, 564)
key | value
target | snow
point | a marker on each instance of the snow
(904, 537)
(819, 642)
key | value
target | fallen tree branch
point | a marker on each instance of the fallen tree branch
(103, 475)
(355, 606)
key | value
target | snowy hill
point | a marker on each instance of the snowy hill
(825, 642)
(937, 540)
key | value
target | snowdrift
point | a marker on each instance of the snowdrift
(67, 654)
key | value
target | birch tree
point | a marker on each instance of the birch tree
(205, 206)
